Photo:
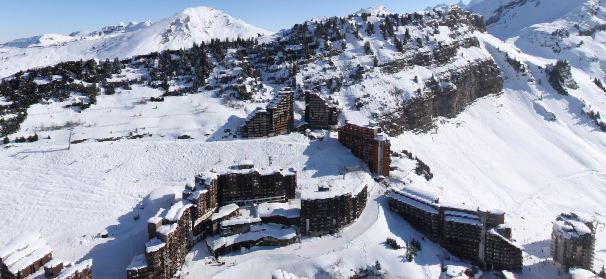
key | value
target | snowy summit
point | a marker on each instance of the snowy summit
(180, 31)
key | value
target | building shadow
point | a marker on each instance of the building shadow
(229, 130)
(125, 239)
(431, 252)
(539, 249)
(328, 157)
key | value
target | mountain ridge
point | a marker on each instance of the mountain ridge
(182, 30)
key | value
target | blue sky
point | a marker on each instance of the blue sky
(24, 18)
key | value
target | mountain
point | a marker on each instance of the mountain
(193, 25)
(506, 118)
(506, 18)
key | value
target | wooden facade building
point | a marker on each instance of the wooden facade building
(320, 113)
(246, 185)
(478, 236)
(329, 215)
(23, 256)
(275, 119)
(573, 241)
(369, 144)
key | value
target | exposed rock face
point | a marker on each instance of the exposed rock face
(464, 86)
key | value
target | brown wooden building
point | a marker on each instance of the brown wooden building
(369, 144)
(247, 185)
(82, 270)
(329, 215)
(23, 256)
(573, 241)
(320, 113)
(478, 236)
(276, 119)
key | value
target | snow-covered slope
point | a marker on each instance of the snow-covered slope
(507, 17)
(193, 25)
(528, 150)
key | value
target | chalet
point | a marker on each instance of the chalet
(23, 256)
(369, 144)
(573, 241)
(320, 113)
(273, 120)
(479, 236)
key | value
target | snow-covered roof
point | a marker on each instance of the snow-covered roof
(496, 233)
(257, 232)
(579, 273)
(414, 201)
(53, 263)
(572, 225)
(240, 221)
(79, 267)
(157, 218)
(277, 99)
(224, 211)
(340, 186)
(261, 171)
(175, 212)
(138, 262)
(154, 245)
(287, 210)
(207, 177)
(19, 243)
(196, 194)
(381, 137)
(166, 230)
(281, 274)
(463, 220)
(254, 113)
(24, 251)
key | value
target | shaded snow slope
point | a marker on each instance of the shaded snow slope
(507, 17)
(193, 25)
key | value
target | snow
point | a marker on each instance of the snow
(138, 262)
(287, 210)
(165, 230)
(224, 211)
(240, 221)
(175, 212)
(23, 251)
(463, 220)
(31, 257)
(154, 245)
(571, 226)
(53, 263)
(281, 274)
(579, 273)
(499, 153)
(79, 267)
(193, 25)
(376, 10)
(413, 201)
(19, 243)
(256, 233)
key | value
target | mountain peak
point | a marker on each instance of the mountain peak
(376, 10)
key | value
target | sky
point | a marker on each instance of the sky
(25, 18)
